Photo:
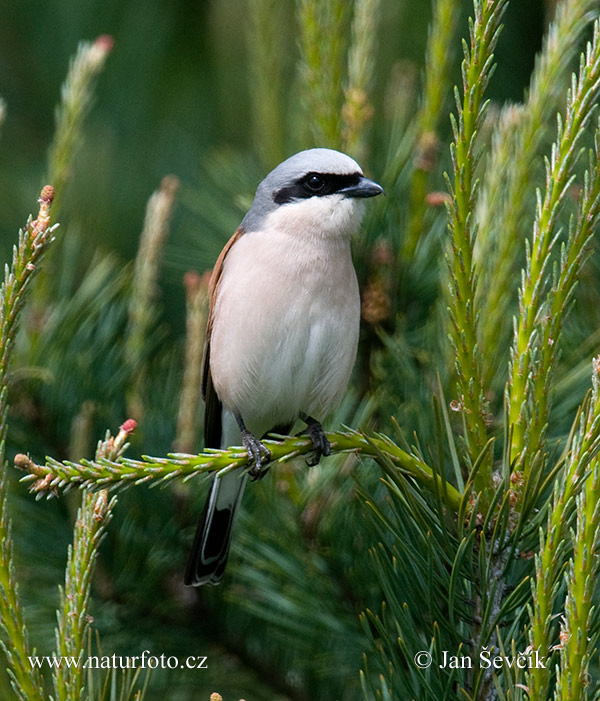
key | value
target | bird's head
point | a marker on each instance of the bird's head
(319, 191)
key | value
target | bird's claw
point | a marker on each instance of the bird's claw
(258, 455)
(315, 432)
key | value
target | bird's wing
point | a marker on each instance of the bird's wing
(213, 408)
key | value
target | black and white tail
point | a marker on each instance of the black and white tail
(208, 557)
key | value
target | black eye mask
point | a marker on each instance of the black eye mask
(315, 185)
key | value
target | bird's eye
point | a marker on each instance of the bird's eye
(315, 183)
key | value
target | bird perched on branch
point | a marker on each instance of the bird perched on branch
(282, 327)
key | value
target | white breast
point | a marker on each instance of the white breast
(286, 324)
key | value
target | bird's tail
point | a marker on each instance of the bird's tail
(208, 557)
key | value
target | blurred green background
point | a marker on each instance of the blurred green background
(175, 89)
(177, 95)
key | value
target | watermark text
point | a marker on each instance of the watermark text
(144, 661)
(488, 658)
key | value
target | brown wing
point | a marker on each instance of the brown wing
(213, 407)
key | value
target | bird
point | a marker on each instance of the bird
(282, 330)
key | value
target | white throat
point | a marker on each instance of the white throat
(332, 216)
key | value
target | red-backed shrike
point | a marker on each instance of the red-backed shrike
(282, 328)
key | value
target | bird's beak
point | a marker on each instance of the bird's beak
(364, 188)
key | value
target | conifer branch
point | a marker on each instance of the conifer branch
(32, 245)
(142, 307)
(477, 65)
(580, 453)
(93, 516)
(76, 99)
(25, 680)
(357, 110)
(76, 94)
(573, 255)
(323, 46)
(525, 384)
(47, 479)
(574, 642)
(190, 399)
(438, 64)
(265, 41)
(73, 618)
(502, 206)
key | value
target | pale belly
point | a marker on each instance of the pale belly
(285, 335)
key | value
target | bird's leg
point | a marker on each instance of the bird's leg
(256, 451)
(315, 432)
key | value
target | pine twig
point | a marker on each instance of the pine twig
(32, 245)
(525, 385)
(196, 288)
(266, 40)
(322, 45)
(73, 619)
(76, 99)
(573, 255)
(104, 473)
(77, 92)
(357, 110)
(141, 306)
(502, 207)
(576, 649)
(25, 679)
(438, 64)
(93, 516)
(476, 71)
(581, 450)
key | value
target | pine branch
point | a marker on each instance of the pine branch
(77, 92)
(581, 450)
(142, 306)
(32, 245)
(73, 618)
(357, 110)
(105, 473)
(322, 46)
(190, 399)
(476, 71)
(25, 679)
(76, 99)
(573, 254)
(93, 516)
(525, 385)
(502, 206)
(576, 648)
(265, 41)
(438, 64)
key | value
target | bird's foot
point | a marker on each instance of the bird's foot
(258, 455)
(315, 432)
